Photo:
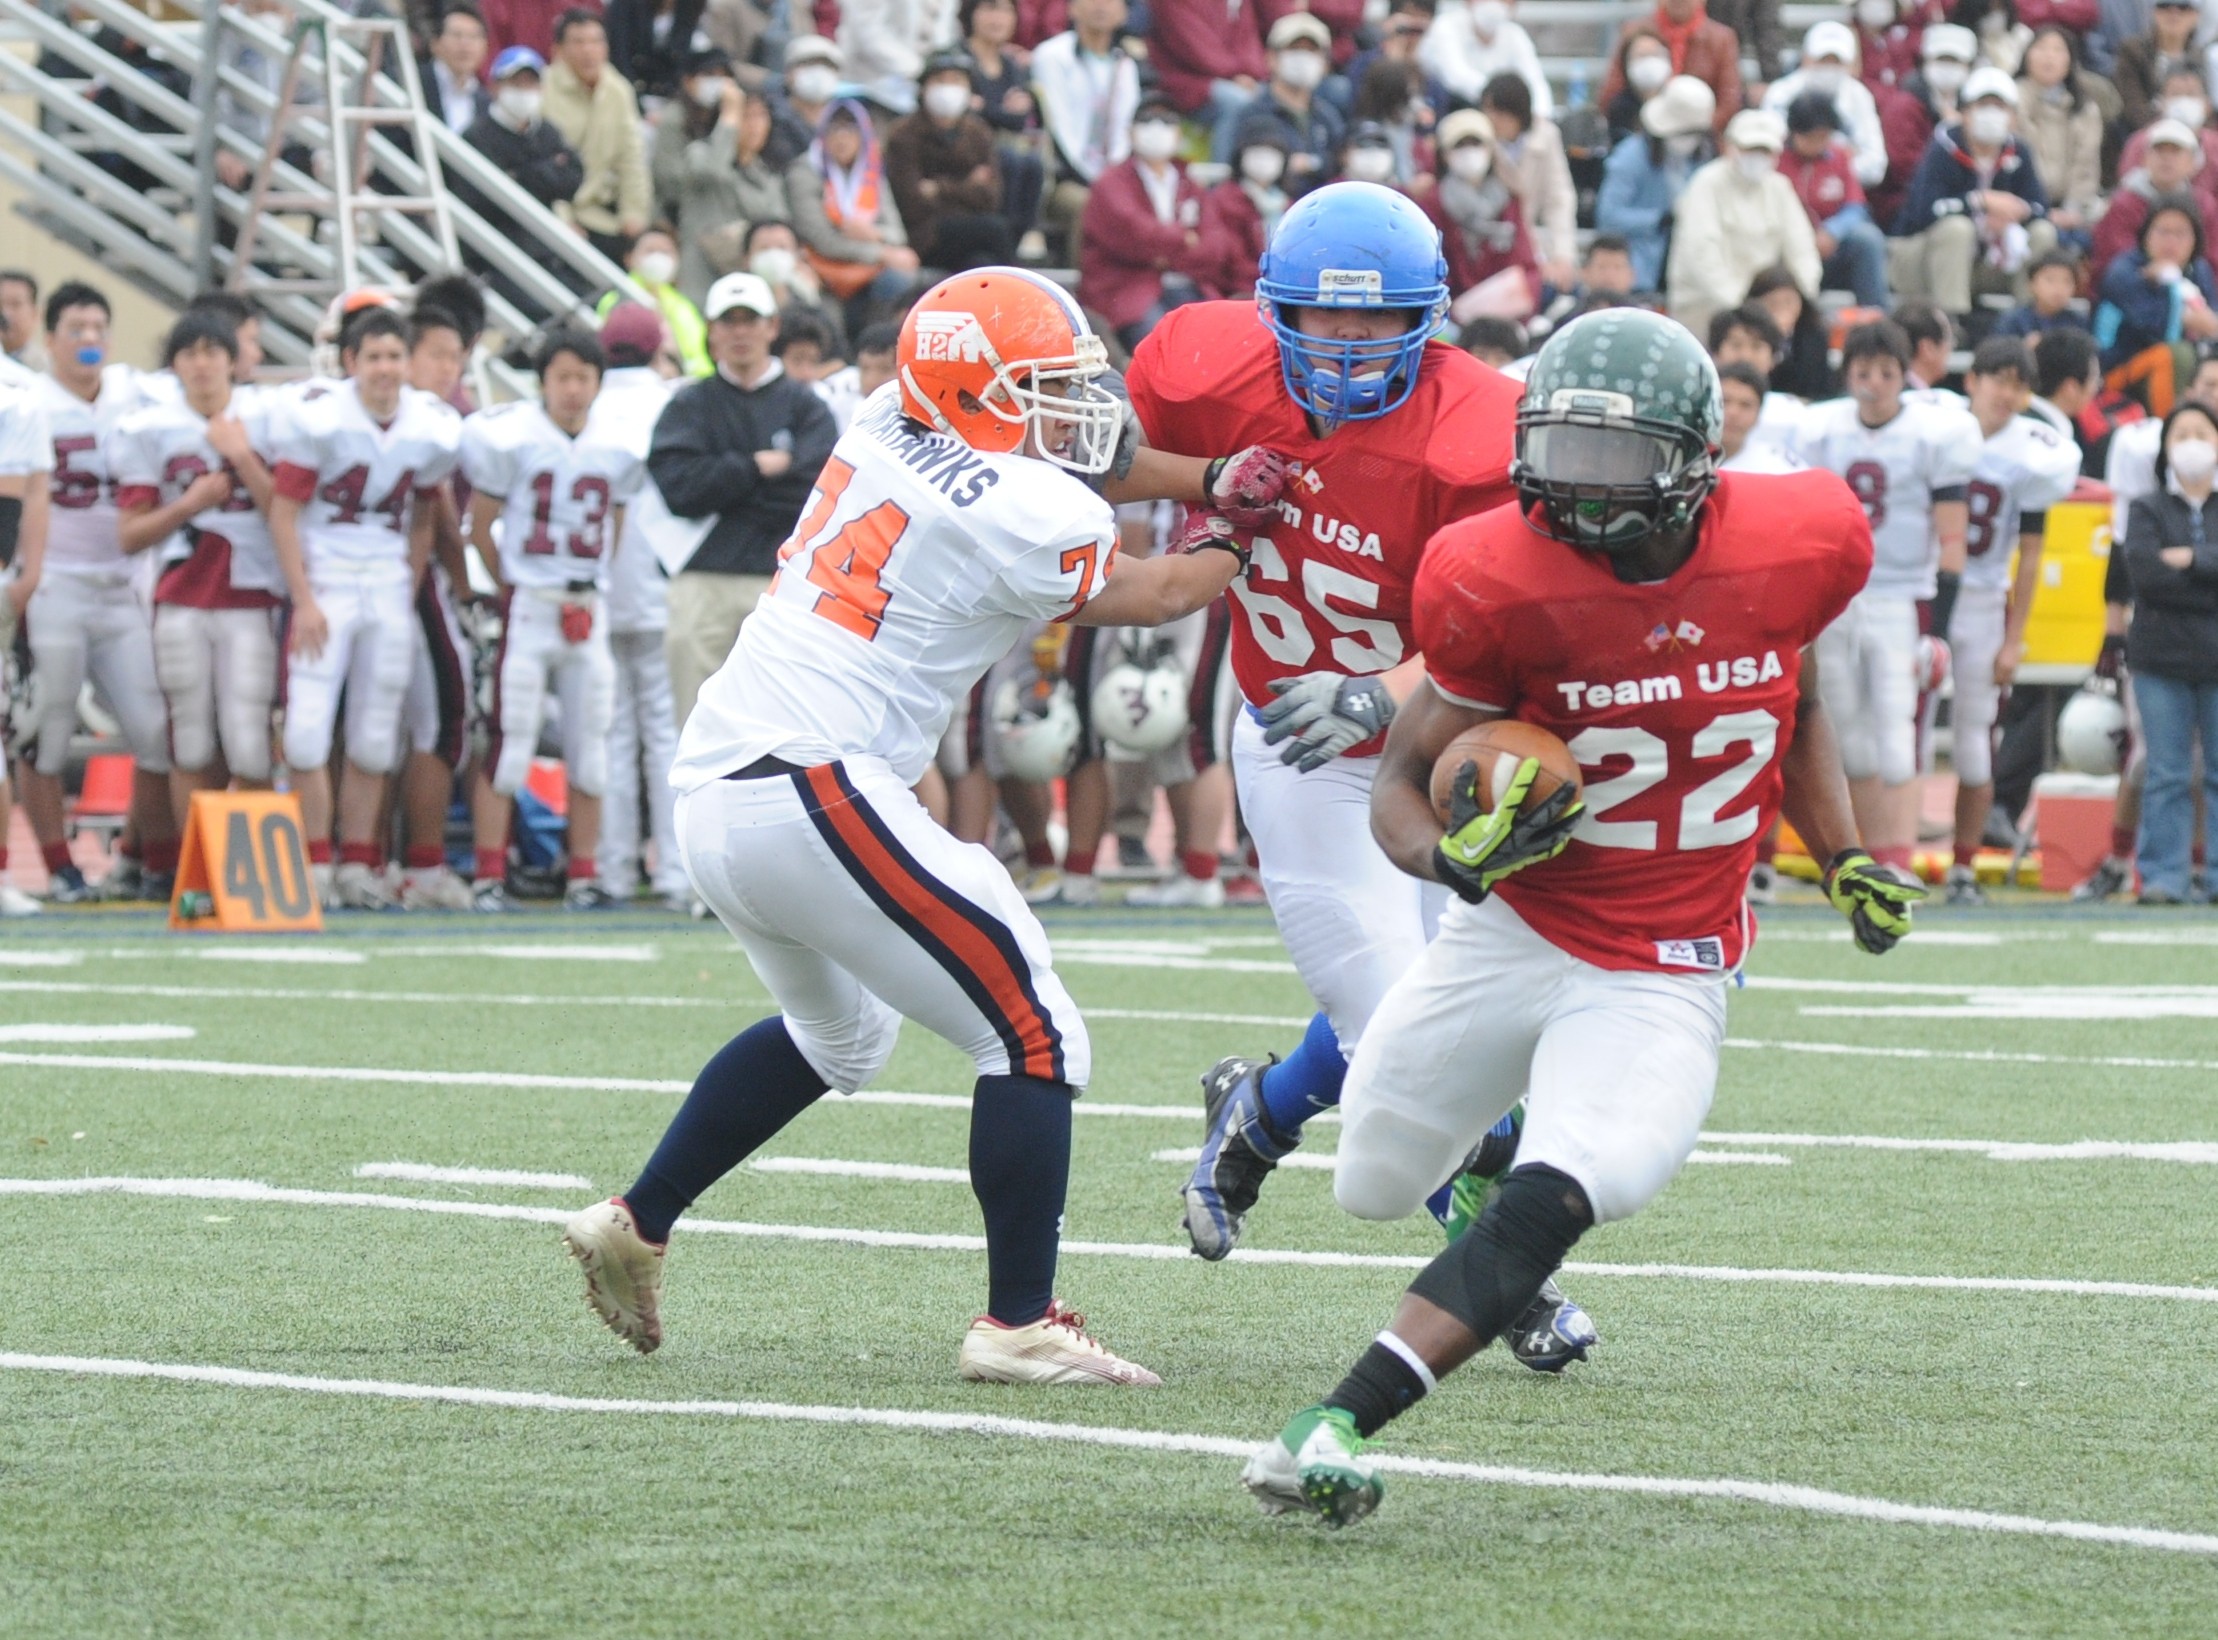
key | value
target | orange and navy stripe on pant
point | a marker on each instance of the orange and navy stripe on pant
(976, 948)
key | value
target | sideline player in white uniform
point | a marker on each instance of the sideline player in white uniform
(947, 517)
(1743, 388)
(556, 485)
(89, 619)
(200, 464)
(26, 457)
(359, 464)
(1908, 463)
(2024, 469)
(1659, 620)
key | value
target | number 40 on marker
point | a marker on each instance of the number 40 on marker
(244, 866)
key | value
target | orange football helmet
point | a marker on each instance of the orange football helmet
(992, 356)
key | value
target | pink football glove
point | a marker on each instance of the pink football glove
(1933, 663)
(1245, 486)
(1204, 530)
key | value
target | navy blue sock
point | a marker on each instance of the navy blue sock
(1019, 1170)
(756, 1084)
(1306, 1081)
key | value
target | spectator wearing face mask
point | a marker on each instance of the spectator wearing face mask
(711, 177)
(1643, 64)
(2166, 42)
(811, 79)
(1400, 40)
(1142, 247)
(1492, 270)
(2171, 162)
(1240, 214)
(1648, 171)
(1314, 128)
(844, 211)
(1890, 37)
(2186, 100)
(772, 253)
(1828, 59)
(1737, 217)
(513, 134)
(1695, 46)
(1471, 41)
(1976, 211)
(1913, 111)
(1391, 97)
(653, 265)
(2171, 554)
(1853, 249)
(941, 163)
(1529, 158)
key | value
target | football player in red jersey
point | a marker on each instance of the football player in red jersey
(1658, 618)
(1396, 436)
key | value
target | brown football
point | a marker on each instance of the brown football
(1497, 748)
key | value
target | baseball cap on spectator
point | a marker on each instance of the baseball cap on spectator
(712, 60)
(813, 48)
(1812, 111)
(1684, 107)
(1757, 128)
(1950, 40)
(1828, 41)
(2175, 134)
(1156, 106)
(1466, 123)
(949, 61)
(739, 291)
(517, 60)
(633, 326)
(1299, 28)
(1990, 81)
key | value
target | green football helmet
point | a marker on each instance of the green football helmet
(1618, 432)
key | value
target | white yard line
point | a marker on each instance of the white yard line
(1978, 1056)
(1323, 1161)
(2033, 1009)
(307, 956)
(1768, 1494)
(41, 959)
(97, 1033)
(468, 999)
(421, 1173)
(904, 1171)
(250, 1190)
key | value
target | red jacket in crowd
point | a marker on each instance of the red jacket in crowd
(1233, 227)
(1125, 248)
(1908, 125)
(1709, 51)
(1470, 264)
(1192, 42)
(1826, 185)
(525, 23)
(1037, 19)
(2076, 15)
(1891, 56)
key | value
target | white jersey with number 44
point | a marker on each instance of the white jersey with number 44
(358, 477)
(1895, 470)
(916, 565)
(559, 494)
(2024, 470)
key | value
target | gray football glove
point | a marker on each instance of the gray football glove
(1321, 714)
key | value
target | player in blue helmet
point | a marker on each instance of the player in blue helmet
(1397, 435)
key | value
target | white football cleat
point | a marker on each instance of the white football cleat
(1315, 1465)
(623, 1272)
(1180, 893)
(1053, 1350)
(15, 903)
(434, 889)
(355, 885)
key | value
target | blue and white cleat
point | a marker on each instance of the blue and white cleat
(1315, 1464)
(1553, 1332)
(1238, 1149)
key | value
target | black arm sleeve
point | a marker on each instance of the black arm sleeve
(11, 522)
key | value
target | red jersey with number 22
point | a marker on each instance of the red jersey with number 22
(1329, 587)
(1678, 699)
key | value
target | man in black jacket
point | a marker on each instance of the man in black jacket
(514, 136)
(739, 449)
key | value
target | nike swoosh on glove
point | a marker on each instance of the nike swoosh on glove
(1322, 714)
(1481, 849)
(1875, 899)
(1245, 486)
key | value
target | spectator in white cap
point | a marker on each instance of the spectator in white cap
(1976, 211)
(1738, 217)
(814, 71)
(1829, 68)
(2185, 98)
(1301, 56)
(1471, 41)
(1646, 173)
(1928, 98)
(735, 452)
(2172, 162)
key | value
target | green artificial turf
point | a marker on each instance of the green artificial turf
(131, 1506)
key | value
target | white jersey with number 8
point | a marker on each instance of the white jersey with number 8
(1895, 470)
(559, 493)
(916, 565)
(2026, 468)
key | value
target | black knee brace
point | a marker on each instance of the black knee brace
(1488, 1275)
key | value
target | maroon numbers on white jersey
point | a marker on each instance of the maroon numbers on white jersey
(344, 496)
(1869, 480)
(186, 470)
(1983, 505)
(592, 493)
(1646, 761)
(73, 486)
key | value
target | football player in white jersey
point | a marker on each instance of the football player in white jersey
(201, 465)
(1744, 390)
(359, 466)
(26, 457)
(1909, 464)
(947, 517)
(550, 490)
(2024, 469)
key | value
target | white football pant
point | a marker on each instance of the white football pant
(643, 733)
(533, 655)
(368, 655)
(92, 625)
(857, 911)
(1868, 675)
(1352, 920)
(1974, 641)
(219, 671)
(1617, 1069)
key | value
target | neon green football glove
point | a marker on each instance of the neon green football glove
(1875, 899)
(1481, 849)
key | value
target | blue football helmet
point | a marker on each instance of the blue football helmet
(1352, 244)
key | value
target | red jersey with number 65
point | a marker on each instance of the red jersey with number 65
(1678, 698)
(1329, 587)
(359, 476)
